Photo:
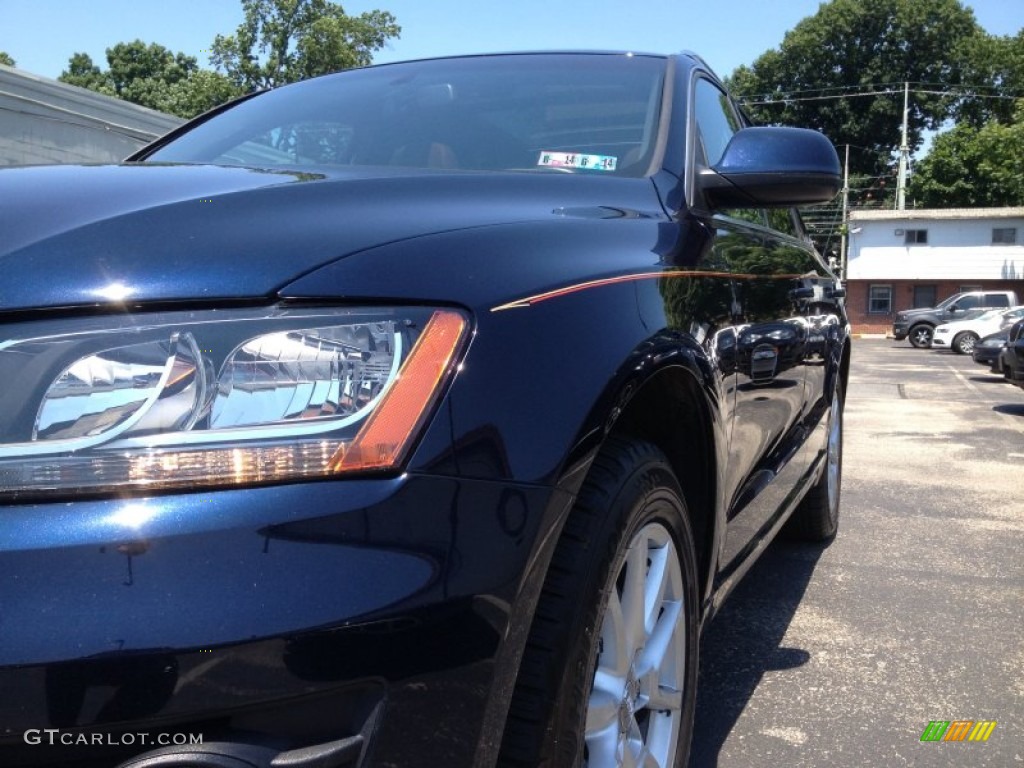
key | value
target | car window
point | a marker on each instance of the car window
(310, 142)
(554, 113)
(716, 120)
(992, 313)
(967, 302)
(997, 300)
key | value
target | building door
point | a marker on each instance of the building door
(924, 296)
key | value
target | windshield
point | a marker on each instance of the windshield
(577, 113)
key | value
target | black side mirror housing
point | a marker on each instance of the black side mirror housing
(773, 168)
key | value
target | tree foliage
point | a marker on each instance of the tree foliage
(994, 76)
(862, 46)
(5, 58)
(152, 76)
(134, 71)
(281, 41)
(971, 167)
(200, 92)
(82, 72)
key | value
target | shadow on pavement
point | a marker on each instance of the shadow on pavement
(744, 641)
(1010, 409)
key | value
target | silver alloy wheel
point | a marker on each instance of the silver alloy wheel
(965, 342)
(835, 454)
(635, 706)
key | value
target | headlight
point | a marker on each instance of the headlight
(941, 330)
(214, 398)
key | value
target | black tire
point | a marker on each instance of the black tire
(921, 336)
(629, 500)
(963, 343)
(817, 516)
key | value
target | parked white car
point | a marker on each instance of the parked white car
(961, 336)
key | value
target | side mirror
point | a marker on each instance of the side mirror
(773, 167)
(954, 309)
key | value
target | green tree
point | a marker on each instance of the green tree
(970, 167)
(5, 58)
(201, 91)
(84, 73)
(152, 76)
(281, 41)
(138, 70)
(866, 46)
(994, 76)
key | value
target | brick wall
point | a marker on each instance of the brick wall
(903, 298)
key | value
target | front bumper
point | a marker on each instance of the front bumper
(900, 329)
(292, 615)
(942, 340)
(985, 355)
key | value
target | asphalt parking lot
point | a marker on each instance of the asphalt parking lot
(842, 656)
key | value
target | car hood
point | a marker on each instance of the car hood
(87, 235)
(908, 313)
(974, 324)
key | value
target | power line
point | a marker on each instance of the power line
(786, 100)
(898, 85)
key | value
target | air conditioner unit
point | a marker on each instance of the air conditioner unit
(900, 233)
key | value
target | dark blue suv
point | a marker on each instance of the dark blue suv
(418, 415)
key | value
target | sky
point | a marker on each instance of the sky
(42, 34)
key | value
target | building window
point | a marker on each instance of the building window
(915, 237)
(924, 296)
(879, 299)
(1004, 235)
(969, 288)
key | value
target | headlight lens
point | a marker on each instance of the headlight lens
(217, 398)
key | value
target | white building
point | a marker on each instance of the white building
(47, 121)
(915, 258)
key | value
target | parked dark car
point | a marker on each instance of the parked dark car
(988, 350)
(417, 415)
(1011, 359)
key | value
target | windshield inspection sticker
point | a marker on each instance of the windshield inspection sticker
(574, 160)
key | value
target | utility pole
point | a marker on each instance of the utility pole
(901, 179)
(846, 225)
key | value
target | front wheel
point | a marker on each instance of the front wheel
(963, 343)
(921, 336)
(609, 674)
